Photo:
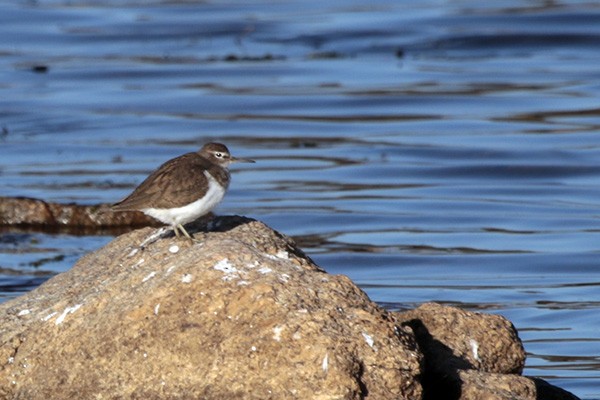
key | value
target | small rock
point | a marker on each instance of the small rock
(472, 356)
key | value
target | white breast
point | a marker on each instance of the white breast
(192, 211)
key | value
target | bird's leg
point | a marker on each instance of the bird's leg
(187, 235)
(176, 230)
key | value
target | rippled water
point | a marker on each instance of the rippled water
(446, 151)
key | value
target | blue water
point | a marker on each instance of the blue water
(446, 151)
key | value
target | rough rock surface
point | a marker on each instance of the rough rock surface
(240, 314)
(471, 356)
(478, 385)
(460, 339)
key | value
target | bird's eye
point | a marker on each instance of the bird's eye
(219, 155)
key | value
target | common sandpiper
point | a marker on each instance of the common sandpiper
(184, 188)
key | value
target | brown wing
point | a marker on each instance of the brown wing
(174, 184)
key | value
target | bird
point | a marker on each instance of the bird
(184, 188)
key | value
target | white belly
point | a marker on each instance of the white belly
(192, 211)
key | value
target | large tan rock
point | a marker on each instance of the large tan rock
(242, 314)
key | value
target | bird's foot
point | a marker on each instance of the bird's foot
(180, 227)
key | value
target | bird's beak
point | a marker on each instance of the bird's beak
(236, 160)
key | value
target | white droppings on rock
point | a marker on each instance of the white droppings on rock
(47, 317)
(296, 336)
(283, 254)
(137, 264)
(265, 270)
(23, 312)
(133, 252)
(252, 265)
(11, 360)
(243, 283)
(149, 276)
(230, 272)
(277, 333)
(253, 348)
(169, 270)
(474, 349)
(283, 278)
(156, 308)
(173, 249)
(325, 363)
(186, 278)
(225, 266)
(368, 339)
(68, 310)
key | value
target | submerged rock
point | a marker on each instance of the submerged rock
(240, 314)
(35, 213)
